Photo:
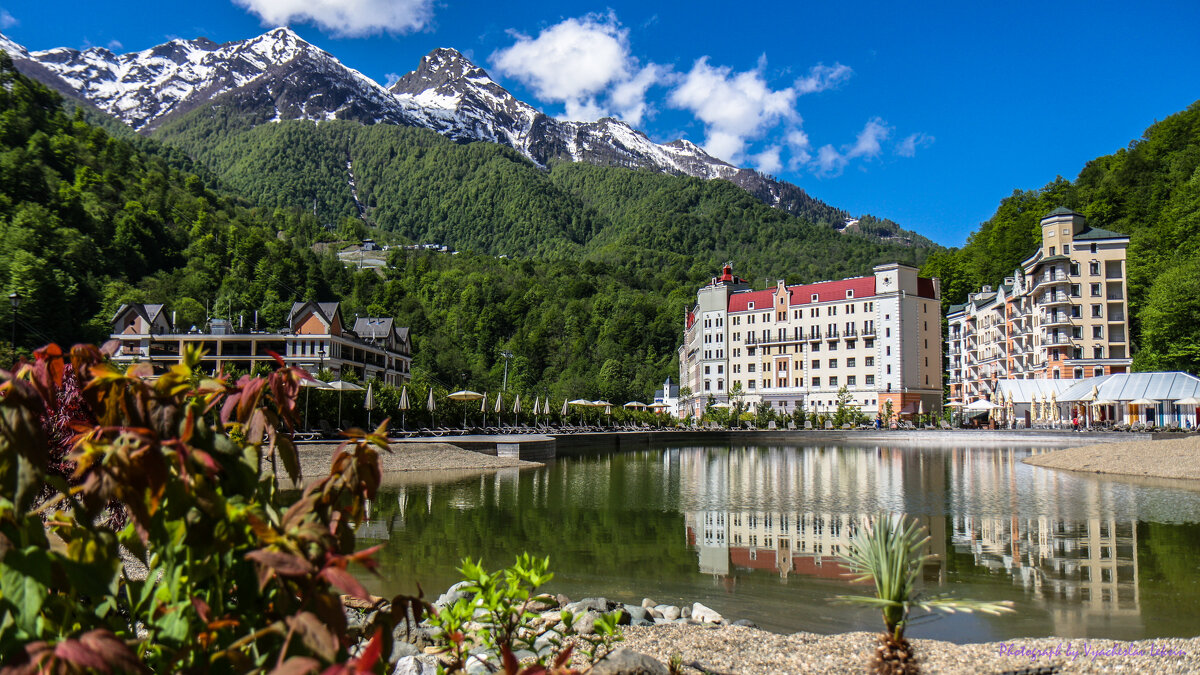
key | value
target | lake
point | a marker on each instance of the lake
(754, 531)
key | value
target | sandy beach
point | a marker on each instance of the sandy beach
(315, 459)
(1177, 458)
(737, 650)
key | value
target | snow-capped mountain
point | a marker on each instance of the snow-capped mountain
(279, 76)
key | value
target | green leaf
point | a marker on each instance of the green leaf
(24, 582)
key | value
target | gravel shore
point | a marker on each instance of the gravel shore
(738, 650)
(1177, 458)
(315, 459)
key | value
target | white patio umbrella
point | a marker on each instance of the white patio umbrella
(722, 405)
(1139, 403)
(1192, 401)
(537, 408)
(464, 395)
(310, 383)
(517, 409)
(1054, 406)
(431, 405)
(636, 405)
(369, 402)
(403, 406)
(340, 386)
(483, 408)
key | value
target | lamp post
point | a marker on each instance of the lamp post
(14, 299)
(507, 357)
(321, 355)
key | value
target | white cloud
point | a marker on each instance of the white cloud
(768, 160)
(115, 45)
(821, 77)
(629, 97)
(867, 145)
(390, 79)
(345, 18)
(799, 147)
(908, 146)
(869, 141)
(734, 107)
(7, 20)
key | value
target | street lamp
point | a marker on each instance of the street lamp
(507, 356)
(14, 299)
(321, 354)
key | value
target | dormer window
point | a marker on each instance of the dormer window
(752, 305)
(814, 297)
(849, 293)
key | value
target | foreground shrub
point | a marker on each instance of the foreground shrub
(174, 471)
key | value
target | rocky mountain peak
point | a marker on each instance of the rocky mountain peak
(439, 68)
(14, 50)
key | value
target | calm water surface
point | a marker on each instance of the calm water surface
(755, 531)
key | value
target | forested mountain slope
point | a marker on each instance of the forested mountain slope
(487, 198)
(1150, 191)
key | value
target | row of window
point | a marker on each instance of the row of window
(782, 383)
(813, 312)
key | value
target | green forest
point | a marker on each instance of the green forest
(599, 263)
(1150, 191)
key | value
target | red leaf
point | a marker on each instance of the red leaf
(315, 634)
(344, 582)
(201, 607)
(297, 665)
(284, 564)
(112, 650)
(371, 653)
(75, 653)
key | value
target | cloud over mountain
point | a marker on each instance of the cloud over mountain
(345, 18)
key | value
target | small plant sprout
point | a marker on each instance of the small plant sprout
(889, 552)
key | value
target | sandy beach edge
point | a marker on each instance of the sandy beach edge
(1176, 458)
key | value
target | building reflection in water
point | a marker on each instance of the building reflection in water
(1079, 567)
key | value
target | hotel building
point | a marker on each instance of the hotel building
(878, 336)
(1062, 315)
(317, 339)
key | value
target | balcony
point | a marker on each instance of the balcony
(1060, 278)
(851, 332)
(1056, 319)
(869, 331)
(1058, 298)
(831, 334)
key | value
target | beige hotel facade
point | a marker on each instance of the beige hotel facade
(1063, 315)
(878, 336)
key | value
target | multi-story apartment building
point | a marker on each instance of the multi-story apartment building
(1062, 315)
(317, 338)
(877, 336)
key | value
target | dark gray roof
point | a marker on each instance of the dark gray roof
(956, 308)
(373, 327)
(1099, 233)
(1062, 211)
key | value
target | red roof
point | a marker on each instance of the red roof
(828, 291)
(691, 319)
(925, 287)
(740, 302)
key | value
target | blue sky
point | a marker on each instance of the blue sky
(928, 114)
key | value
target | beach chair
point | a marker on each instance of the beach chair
(808, 424)
(828, 424)
(847, 425)
(771, 425)
(326, 430)
(791, 426)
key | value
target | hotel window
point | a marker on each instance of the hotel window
(870, 380)
(887, 332)
(720, 369)
(1098, 332)
(1099, 371)
(707, 385)
(1097, 311)
(816, 382)
(1097, 352)
(1074, 290)
(869, 343)
(720, 385)
(1051, 250)
(889, 369)
(737, 368)
(1074, 269)
(816, 363)
(833, 381)
(1095, 290)
(869, 361)
(851, 362)
(750, 384)
(1094, 268)
(1093, 248)
(1066, 248)
(849, 293)
(1074, 311)
(833, 346)
(850, 381)
(833, 363)
(767, 367)
(750, 368)
(816, 347)
(707, 370)
(814, 299)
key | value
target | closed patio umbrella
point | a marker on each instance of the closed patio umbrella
(431, 405)
(517, 409)
(483, 408)
(537, 408)
(403, 406)
(369, 402)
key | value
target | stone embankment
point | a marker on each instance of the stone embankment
(699, 640)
